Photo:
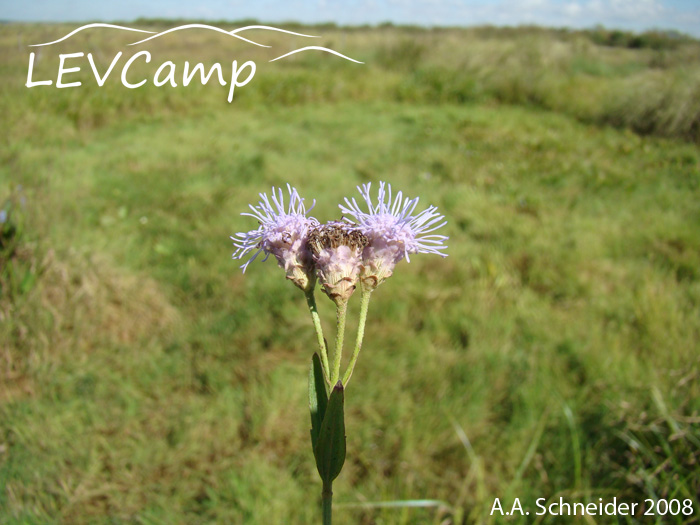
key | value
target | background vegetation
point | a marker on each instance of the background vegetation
(143, 379)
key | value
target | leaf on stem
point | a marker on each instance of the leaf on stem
(330, 447)
(318, 398)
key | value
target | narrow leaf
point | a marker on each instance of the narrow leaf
(318, 399)
(330, 448)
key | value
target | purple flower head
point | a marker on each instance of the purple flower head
(393, 231)
(283, 232)
(337, 248)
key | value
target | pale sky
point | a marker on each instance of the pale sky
(636, 15)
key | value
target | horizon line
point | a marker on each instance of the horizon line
(668, 31)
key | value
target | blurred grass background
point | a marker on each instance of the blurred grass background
(143, 379)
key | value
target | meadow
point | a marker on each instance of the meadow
(554, 353)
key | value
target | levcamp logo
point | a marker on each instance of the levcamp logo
(69, 63)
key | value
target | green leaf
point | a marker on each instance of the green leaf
(318, 399)
(330, 448)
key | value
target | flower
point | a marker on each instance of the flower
(336, 248)
(392, 231)
(282, 233)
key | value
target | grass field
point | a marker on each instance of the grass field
(554, 353)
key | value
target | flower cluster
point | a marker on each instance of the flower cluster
(363, 248)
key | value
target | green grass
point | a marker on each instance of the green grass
(553, 353)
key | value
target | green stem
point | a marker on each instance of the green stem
(364, 307)
(311, 301)
(327, 503)
(341, 310)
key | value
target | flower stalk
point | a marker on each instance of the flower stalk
(364, 308)
(341, 313)
(327, 498)
(316, 319)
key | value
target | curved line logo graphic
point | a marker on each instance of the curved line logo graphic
(162, 76)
